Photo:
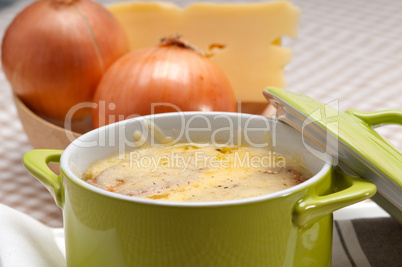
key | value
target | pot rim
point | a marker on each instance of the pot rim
(66, 171)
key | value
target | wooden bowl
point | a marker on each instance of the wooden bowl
(46, 134)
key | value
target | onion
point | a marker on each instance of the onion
(172, 76)
(55, 52)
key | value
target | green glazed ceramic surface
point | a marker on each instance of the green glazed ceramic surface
(292, 227)
(360, 147)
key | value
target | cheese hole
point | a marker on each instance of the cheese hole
(284, 41)
(276, 41)
(213, 48)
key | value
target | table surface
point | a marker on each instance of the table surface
(348, 53)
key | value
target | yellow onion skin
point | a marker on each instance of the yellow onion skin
(55, 52)
(161, 74)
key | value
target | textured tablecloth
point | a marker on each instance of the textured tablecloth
(348, 53)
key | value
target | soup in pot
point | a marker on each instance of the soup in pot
(201, 172)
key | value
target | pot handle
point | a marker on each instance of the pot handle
(35, 161)
(310, 209)
(378, 118)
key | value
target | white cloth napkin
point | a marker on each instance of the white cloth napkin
(26, 242)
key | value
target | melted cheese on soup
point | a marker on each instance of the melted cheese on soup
(200, 172)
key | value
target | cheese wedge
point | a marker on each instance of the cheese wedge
(242, 39)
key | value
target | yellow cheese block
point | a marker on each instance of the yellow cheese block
(242, 39)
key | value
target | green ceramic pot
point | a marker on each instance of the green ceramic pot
(292, 227)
